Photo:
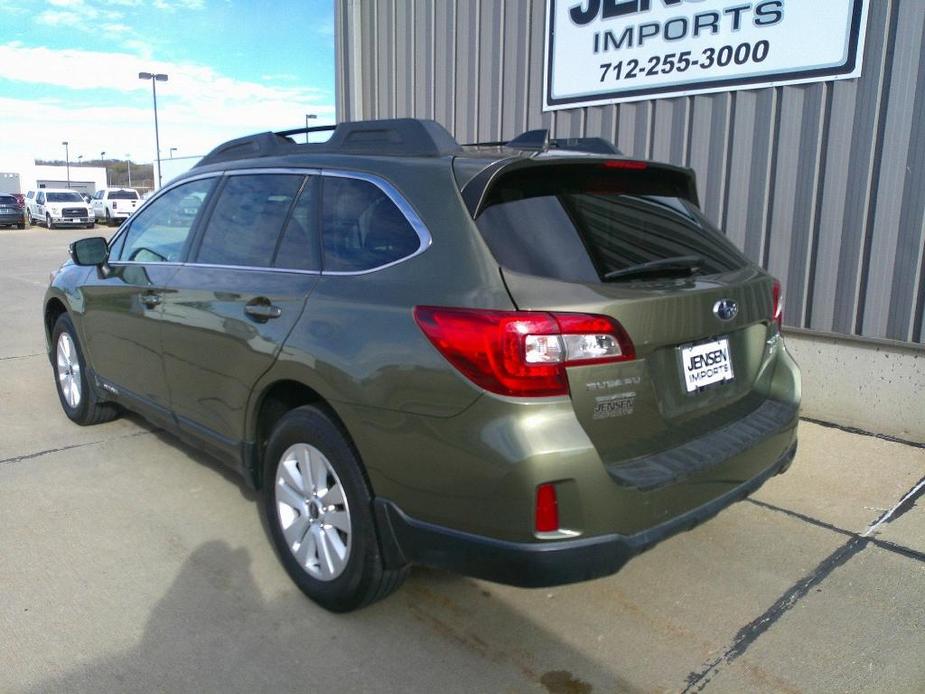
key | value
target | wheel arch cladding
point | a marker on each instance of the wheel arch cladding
(276, 400)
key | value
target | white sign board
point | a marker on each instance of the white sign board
(607, 51)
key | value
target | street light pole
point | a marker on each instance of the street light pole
(67, 163)
(105, 169)
(307, 117)
(155, 78)
(128, 159)
(172, 150)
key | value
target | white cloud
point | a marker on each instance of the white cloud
(116, 28)
(198, 107)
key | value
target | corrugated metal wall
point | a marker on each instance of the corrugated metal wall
(823, 184)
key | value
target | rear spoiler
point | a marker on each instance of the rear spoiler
(475, 191)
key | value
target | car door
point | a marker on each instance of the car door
(38, 208)
(95, 204)
(123, 302)
(230, 309)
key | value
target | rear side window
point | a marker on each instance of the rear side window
(581, 223)
(247, 220)
(362, 228)
(300, 248)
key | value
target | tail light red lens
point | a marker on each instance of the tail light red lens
(522, 353)
(778, 315)
(547, 509)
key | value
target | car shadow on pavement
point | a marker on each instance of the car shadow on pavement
(216, 629)
(195, 455)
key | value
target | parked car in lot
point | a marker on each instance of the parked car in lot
(11, 212)
(525, 364)
(112, 205)
(57, 207)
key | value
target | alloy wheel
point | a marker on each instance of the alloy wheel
(313, 513)
(68, 370)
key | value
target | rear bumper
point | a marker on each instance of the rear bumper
(539, 564)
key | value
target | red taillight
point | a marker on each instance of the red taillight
(522, 353)
(778, 311)
(547, 509)
(625, 164)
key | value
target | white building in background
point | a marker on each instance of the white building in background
(173, 167)
(23, 176)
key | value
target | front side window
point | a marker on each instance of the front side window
(247, 220)
(362, 228)
(158, 233)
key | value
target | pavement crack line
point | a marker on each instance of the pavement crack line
(882, 544)
(39, 454)
(22, 356)
(697, 680)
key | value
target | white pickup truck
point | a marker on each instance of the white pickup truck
(59, 207)
(111, 205)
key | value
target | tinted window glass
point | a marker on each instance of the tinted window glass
(248, 217)
(300, 247)
(64, 197)
(123, 195)
(159, 232)
(581, 223)
(361, 227)
(8, 200)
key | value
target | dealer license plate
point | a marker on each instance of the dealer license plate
(706, 364)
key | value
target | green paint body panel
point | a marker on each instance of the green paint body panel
(433, 443)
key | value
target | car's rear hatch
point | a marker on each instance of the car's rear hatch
(626, 240)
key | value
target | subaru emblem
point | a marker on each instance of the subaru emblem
(726, 309)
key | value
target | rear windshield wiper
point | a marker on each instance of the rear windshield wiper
(682, 264)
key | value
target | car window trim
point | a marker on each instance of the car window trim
(410, 214)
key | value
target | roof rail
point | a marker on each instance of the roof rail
(409, 137)
(538, 141)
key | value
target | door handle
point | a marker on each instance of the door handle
(150, 299)
(262, 310)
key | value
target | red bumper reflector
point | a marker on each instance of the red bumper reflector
(547, 509)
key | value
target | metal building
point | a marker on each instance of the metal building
(823, 183)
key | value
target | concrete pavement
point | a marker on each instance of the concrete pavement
(131, 562)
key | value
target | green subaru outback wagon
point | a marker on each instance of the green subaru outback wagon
(524, 362)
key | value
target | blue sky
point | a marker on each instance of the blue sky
(69, 71)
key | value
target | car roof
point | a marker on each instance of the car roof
(379, 146)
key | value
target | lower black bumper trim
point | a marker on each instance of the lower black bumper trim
(538, 564)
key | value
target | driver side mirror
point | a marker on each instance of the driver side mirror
(91, 251)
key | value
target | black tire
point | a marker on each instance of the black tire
(21, 225)
(364, 579)
(108, 218)
(88, 409)
(48, 222)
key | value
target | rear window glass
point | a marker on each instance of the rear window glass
(64, 197)
(123, 195)
(585, 223)
(8, 200)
